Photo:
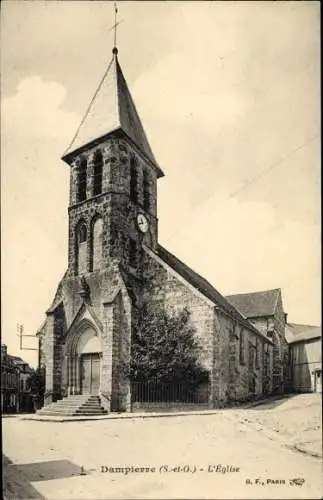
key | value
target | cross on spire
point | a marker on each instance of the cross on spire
(114, 28)
(115, 50)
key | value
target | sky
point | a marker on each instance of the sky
(229, 96)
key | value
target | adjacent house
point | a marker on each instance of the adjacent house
(9, 383)
(305, 357)
(25, 396)
(16, 395)
(265, 311)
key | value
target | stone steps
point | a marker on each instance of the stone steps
(73, 408)
(75, 405)
(66, 411)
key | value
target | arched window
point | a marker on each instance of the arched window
(146, 191)
(133, 180)
(97, 173)
(81, 242)
(97, 245)
(82, 180)
(132, 253)
(82, 233)
(242, 346)
(258, 352)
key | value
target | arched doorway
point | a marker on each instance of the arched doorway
(85, 353)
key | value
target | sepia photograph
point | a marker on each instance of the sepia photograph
(161, 250)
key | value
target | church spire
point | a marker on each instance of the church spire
(111, 109)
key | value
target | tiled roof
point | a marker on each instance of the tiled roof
(112, 108)
(297, 333)
(256, 304)
(203, 286)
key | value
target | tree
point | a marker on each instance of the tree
(165, 348)
(36, 384)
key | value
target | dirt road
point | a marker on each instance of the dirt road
(231, 454)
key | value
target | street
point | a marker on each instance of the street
(269, 451)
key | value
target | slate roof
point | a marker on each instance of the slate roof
(256, 304)
(111, 109)
(203, 286)
(41, 329)
(298, 333)
(57, 299)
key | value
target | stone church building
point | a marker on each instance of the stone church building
(115, 264)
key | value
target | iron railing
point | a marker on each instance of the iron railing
(172, 392)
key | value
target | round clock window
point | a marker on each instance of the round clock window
(142, 223)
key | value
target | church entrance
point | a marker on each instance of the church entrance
(83, 360)
(90, 373)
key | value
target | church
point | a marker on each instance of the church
(115, 264)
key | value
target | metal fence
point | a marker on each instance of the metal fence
(173, 392)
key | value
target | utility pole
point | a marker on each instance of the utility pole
(21, 335)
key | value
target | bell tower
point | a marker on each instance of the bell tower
(113, 182)
(112, 215)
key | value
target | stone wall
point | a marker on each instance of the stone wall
(265, 323)
(162, 288)
(247, 363)
(274, 328)
(47, 357)
(121, 352)
(218, 333)
(107, 353)
(280, 324)
(113, 319)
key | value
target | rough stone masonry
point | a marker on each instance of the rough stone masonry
(115, 263)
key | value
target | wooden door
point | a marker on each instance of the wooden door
(90, 373)
(95, 374)
(86, 374)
